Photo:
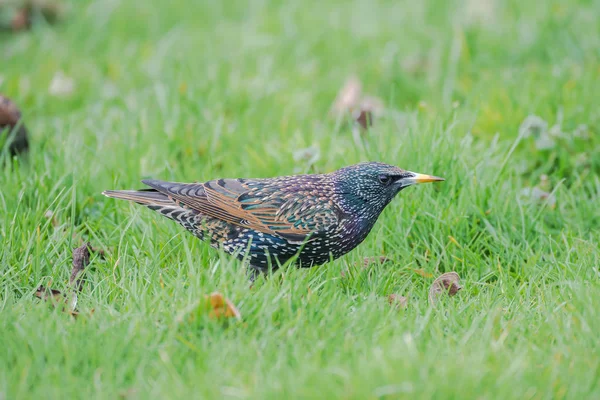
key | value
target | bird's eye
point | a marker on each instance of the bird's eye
(384, 179)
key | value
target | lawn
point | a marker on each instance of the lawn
(499, 97)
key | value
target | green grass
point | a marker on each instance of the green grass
(187, 91)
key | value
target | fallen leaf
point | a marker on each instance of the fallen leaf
(362, 109)
(221, 307)
(423, 273)
(56, 297)
(213, 306)
(365, 118)
(48, 294)
(23, 13)
(348, 97)
(12, 125)
(370, 108)
(81, 258)
(397, 300)
(21, 20)
(446, 283)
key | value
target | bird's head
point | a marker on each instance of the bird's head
(371, 186)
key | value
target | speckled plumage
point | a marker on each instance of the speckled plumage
(318, 217)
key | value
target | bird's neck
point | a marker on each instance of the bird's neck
(360, 216)
(355, 228)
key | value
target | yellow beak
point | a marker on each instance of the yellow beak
(422, 178)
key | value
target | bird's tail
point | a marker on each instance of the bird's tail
(151, 198)
(146, 197)
(161, 203)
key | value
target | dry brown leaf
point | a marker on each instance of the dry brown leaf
(56, 297)
(48, 294)
(21, 20)
(423, 273)
(24, 14)
(221, 307)
(446, 283)
(364, 119)
(81, 258)
(362, 109)
(397, 300)
(370, 108)
(10, 119)
(348, 97)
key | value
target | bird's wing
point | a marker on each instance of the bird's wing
(282, 206)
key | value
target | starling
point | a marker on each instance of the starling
(266, 222)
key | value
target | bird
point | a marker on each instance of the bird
(265, 222)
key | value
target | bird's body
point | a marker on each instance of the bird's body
(317, 217)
